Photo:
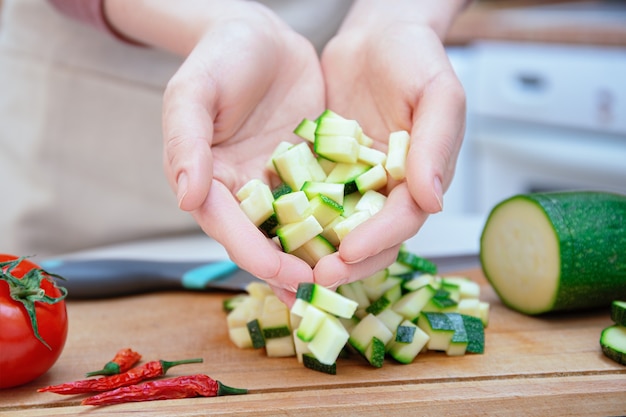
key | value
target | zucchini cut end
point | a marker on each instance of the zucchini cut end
(520, 255)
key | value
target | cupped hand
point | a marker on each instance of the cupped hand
(242, 89)
(389, 76)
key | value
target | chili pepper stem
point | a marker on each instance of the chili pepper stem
(166, 365)
(226, 390)
(111, 368)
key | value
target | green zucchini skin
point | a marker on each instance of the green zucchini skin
(590, 227)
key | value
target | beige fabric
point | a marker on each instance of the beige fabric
(80, 131)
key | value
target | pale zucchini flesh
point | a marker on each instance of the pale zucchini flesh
(556, 251)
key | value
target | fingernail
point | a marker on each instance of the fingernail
(339, 282)
(181, 191)
(438, 191)
(355, 261)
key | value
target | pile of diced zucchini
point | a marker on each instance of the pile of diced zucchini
(396, 313)
(329, 184)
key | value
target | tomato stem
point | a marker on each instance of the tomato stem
(27, 291)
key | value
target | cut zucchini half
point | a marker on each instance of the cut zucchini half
(556, 251)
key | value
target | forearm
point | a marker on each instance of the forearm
(438, 15)
(177, 26)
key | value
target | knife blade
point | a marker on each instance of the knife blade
(111, 277)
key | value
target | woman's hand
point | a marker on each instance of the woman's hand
(246, 82)
(387, 68)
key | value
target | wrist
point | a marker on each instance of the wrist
(437, 15)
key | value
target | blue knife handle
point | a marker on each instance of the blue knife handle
(97, 278)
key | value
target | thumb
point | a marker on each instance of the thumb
(187, 135)
(436, 139)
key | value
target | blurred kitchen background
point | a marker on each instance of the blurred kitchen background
(546, 101)
(546, 94)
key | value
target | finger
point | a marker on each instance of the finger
(398, 220)
(187, 135)
(221, 218)
(436, 137)
(331, 271)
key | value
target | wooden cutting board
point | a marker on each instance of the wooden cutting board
(549, 365)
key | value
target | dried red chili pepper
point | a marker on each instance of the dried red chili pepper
(122, 361)
(148, 370)
(188, 386)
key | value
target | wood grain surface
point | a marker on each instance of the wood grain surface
(532, 366)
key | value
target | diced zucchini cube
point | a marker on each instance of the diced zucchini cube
(248, 309)
(439, 328)
(240, 337)
(390, 318)
(389, 297)
(329, 340)
(311, 362)
(371, 156)
(376, 286)
(349, 203)
(306, 129)
(280, 148)
(281, 189)
(247, 189)
(421, 281)
(467, 287)
(311, 322)
(483, 312)
(365, 140)
(397, 153)
(373, 179)
(294, 235)
(314, 250)
(330, 190)
(344, 173)
(337, 148)
(293, 164)
(291, 208)
(256, 334)
(300, 346)
(299, 307)
(369, 327)
(326, 164)
(375, 352)
(406, 352)
(404, 334)
(371, 201)
(350, 223)
(258, 206)
(329, 231)
(441, 302)
(326, 299)
(412, 303)
(280, 347)
(259, 290)
(460, 339)
(324, 209)
(274, 319)
(475, 333)
(335, 126)
(469, 307)
(416, 263)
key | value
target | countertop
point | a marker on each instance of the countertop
(596, 23)
(532, 366)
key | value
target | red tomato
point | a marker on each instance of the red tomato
(23, 356)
